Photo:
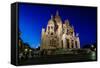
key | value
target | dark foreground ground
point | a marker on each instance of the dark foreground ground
(58, 59)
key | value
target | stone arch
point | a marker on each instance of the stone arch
(76, 44)
(61, 43)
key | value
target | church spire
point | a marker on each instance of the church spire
(67, 22)
(51, 16)
(57, 13)
(77, 34)
(57, 17)
(72, 27)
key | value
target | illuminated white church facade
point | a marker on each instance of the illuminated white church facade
(59, 35)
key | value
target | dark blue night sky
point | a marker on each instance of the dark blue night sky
(33, 17)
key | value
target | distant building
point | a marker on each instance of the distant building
(59, 35)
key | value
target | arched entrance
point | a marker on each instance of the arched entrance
(67, 43)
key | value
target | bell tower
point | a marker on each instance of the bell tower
(50, 26)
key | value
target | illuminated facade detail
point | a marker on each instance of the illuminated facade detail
(59, 35)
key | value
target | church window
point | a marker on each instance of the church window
(52, 33)
(67, 40)
(52, 42)
(48, 28)
(51, 27)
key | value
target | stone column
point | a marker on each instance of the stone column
(64, 41)
(78, 42)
